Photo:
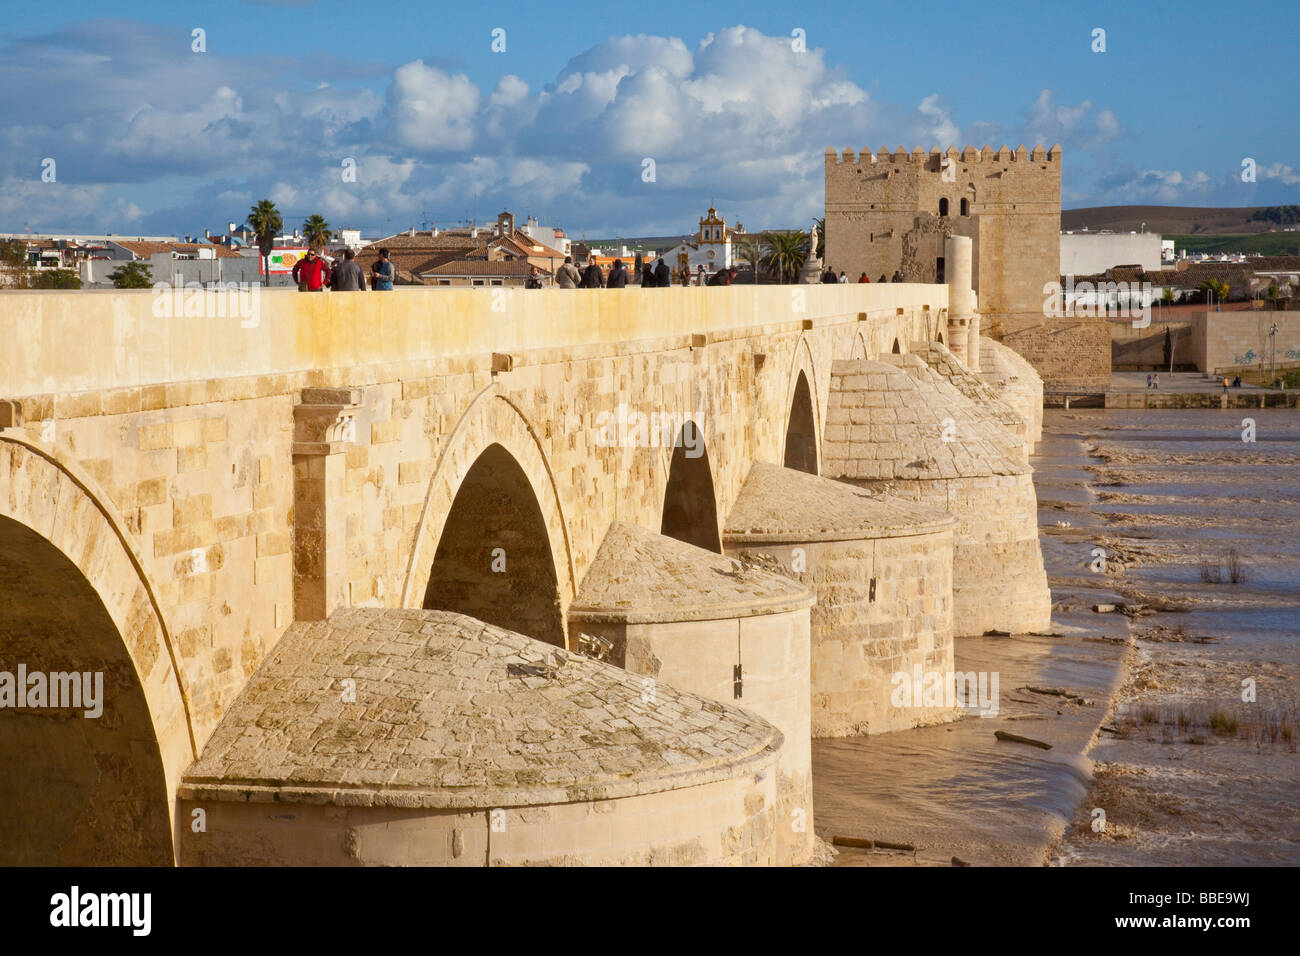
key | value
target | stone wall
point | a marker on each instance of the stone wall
(1144, 349)
(1234, 339)
(773, 652)
(884, 606)
(998, 577)
(883, 213)
(1017, 382)
(1068, 352)
(196, 432)
(723, 823)
(894, 427)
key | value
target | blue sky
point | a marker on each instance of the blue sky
(148, 136)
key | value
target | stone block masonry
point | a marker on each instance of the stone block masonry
(252, 477)
(888, 211)
(938, 449)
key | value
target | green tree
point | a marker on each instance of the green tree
(132, 275)
(264, 219)
(787, 251)
(1167, 295)
(316, 231)
(13, 261)
(56, 279)
(751, 251)
(1217, 287)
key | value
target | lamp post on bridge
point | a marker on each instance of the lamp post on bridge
(1272, 353)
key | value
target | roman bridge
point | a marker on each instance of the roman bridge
(179, 485)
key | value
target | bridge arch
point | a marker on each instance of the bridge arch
(801, 445)
(690, 506)
(860, 350)
(494, 488)
(74, 598)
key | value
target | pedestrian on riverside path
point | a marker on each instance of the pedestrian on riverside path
(1148, 379)
(1155, 380)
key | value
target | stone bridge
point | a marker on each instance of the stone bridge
(177, 489)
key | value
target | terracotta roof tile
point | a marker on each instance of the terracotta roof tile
(481, 267)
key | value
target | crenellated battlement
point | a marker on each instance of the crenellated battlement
(890, 211)
(933, 159)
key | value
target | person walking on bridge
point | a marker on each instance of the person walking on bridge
(348, 276)
(568, 276)
(617, 276)
(592, 276)
(663, 278)
(311, 272)
(382, 273)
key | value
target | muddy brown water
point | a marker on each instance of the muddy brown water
(1186, 771)
(1202, 773)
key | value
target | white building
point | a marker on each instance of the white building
(710, 247)
(547, 236)
(1092, 253)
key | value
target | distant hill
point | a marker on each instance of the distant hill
(1266, 244)
(655, 242)
(1169, 220)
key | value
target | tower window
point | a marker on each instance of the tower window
(965, 207)
(943, 207)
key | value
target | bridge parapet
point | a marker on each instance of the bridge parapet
(69, 342)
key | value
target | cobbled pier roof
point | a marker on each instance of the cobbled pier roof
(781, 504)
(885, 424)
(453, 712)
(640, 577)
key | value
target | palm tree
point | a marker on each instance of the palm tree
(820, 229)
(316, 231)
(786, 254)
(265, 221)
(1217, 287)
(751, 251)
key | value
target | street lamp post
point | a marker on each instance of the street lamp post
(1272, 353)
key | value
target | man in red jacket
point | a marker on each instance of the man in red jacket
(312, 273)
